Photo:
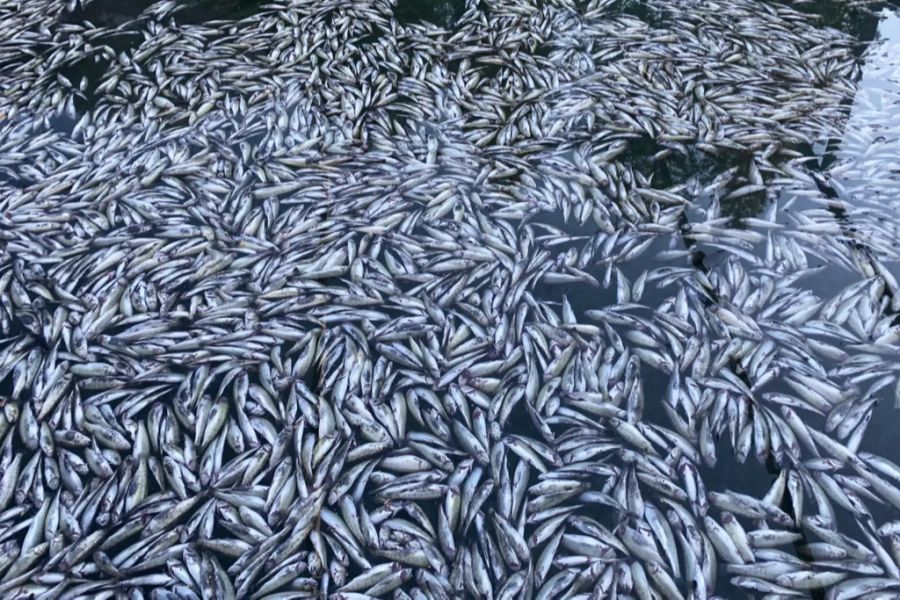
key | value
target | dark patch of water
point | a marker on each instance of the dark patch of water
(202, 11)
(107, 13)
(113, 13)
(443, 13)
(859, 21)
(653, 15)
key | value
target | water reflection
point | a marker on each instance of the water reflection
(873, 128)
(865, 170)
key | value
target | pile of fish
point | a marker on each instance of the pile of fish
(554, 299)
